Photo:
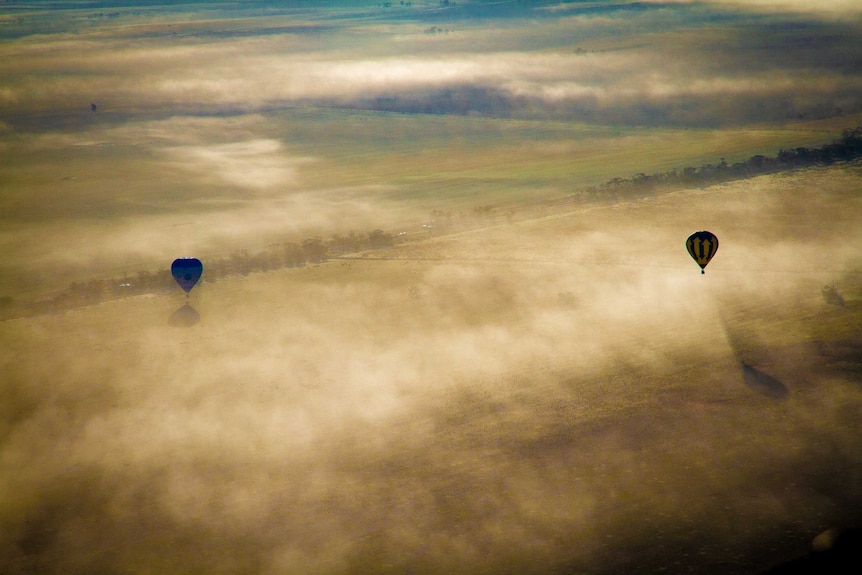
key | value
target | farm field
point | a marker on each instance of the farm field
(564, 393)
(479, 344)
(246, 182)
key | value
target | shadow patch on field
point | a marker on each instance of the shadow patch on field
(753, 378)
(833, 551)
(184, 316)
(843, 355)
(763, 382)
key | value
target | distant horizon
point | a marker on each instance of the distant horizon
(641, 64)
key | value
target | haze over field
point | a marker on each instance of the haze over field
(564, 393)
(683, 65)
(272, 121)
(531, 378)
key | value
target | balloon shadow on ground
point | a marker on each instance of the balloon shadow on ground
(763, 382)
(753, 378)
(184, 316)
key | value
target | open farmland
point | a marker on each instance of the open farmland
(84, 204)
(530, 375)
(133, 133)
(562, 393)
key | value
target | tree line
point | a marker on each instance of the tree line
(238, 263)
(317, 250)
(847, 148)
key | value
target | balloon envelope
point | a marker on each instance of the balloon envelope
(701, 247)
(187, 272)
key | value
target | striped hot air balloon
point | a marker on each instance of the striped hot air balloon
(701, 247)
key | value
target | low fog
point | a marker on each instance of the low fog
(693, 65)
(202, 132)
(548, 385)
(561, 393)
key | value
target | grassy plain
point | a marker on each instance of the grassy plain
(557, 394)
(110, 198)
(220, 127)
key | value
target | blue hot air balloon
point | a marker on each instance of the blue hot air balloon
(701, 247)
(187, 272)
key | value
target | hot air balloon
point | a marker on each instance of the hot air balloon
(701, 247)
(187, 272)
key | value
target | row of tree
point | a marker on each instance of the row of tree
(240, 262)
(847, 148)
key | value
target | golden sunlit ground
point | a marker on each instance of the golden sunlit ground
(564, 392)
(533, 378)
